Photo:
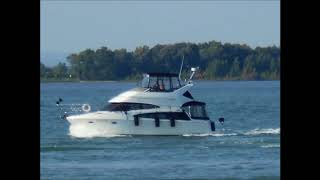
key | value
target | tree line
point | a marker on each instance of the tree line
(216, 61)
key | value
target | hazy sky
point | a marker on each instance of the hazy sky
(73, 26)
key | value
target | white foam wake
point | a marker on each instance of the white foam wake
(271, 146)
(210, 134)
(100, 135)
(258, 131)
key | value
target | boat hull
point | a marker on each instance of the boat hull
(105, 127)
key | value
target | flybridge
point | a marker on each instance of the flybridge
(163, 82)
(160, 82)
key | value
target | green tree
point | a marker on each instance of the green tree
(235, 70)
(60, 71)
(215, 59)
(42, 70)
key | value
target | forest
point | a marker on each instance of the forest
(216, 61)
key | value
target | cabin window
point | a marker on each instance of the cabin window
(145, 81)
(128, 106)
(153, 83)
(164, 82)
(196, 110)
(175, 83)
(166, 115)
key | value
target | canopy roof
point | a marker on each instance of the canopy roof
(162, 74)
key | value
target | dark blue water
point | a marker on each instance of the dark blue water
(247, 146)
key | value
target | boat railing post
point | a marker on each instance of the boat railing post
(136, 120)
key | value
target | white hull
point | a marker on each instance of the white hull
(150, 105)
(104, 127)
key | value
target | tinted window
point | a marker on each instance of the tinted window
(196, 111)
(128, 106)
(166, 115)
(148, 115)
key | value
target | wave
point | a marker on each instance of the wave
(271, 146)
(259, 131)
(210, 134)
(256, 131)
(98, 135)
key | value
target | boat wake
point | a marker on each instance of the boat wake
(271, 146)
(210, 134)
(259, 131)
(256, 131)
(83, 132)
(101, 135)
(98, 135)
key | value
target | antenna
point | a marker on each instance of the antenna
(181, 67)
(193, 70)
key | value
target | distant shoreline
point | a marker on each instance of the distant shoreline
(77, 81)
(109, 81)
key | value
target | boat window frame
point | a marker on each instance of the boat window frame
(128, 106)
(158, 79)
(187, 108)
(170, 115)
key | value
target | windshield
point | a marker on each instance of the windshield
(175, 83)
(160, 83)
(145, 81)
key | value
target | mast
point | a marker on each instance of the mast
(181, 67)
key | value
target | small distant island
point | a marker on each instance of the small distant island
(217, 61)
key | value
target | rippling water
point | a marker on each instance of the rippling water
(247, 146)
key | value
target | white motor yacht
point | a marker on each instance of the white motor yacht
(161, 105)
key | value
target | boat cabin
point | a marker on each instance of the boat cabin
(196, 110)
(160, 82)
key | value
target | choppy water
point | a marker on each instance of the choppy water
(247, 146)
